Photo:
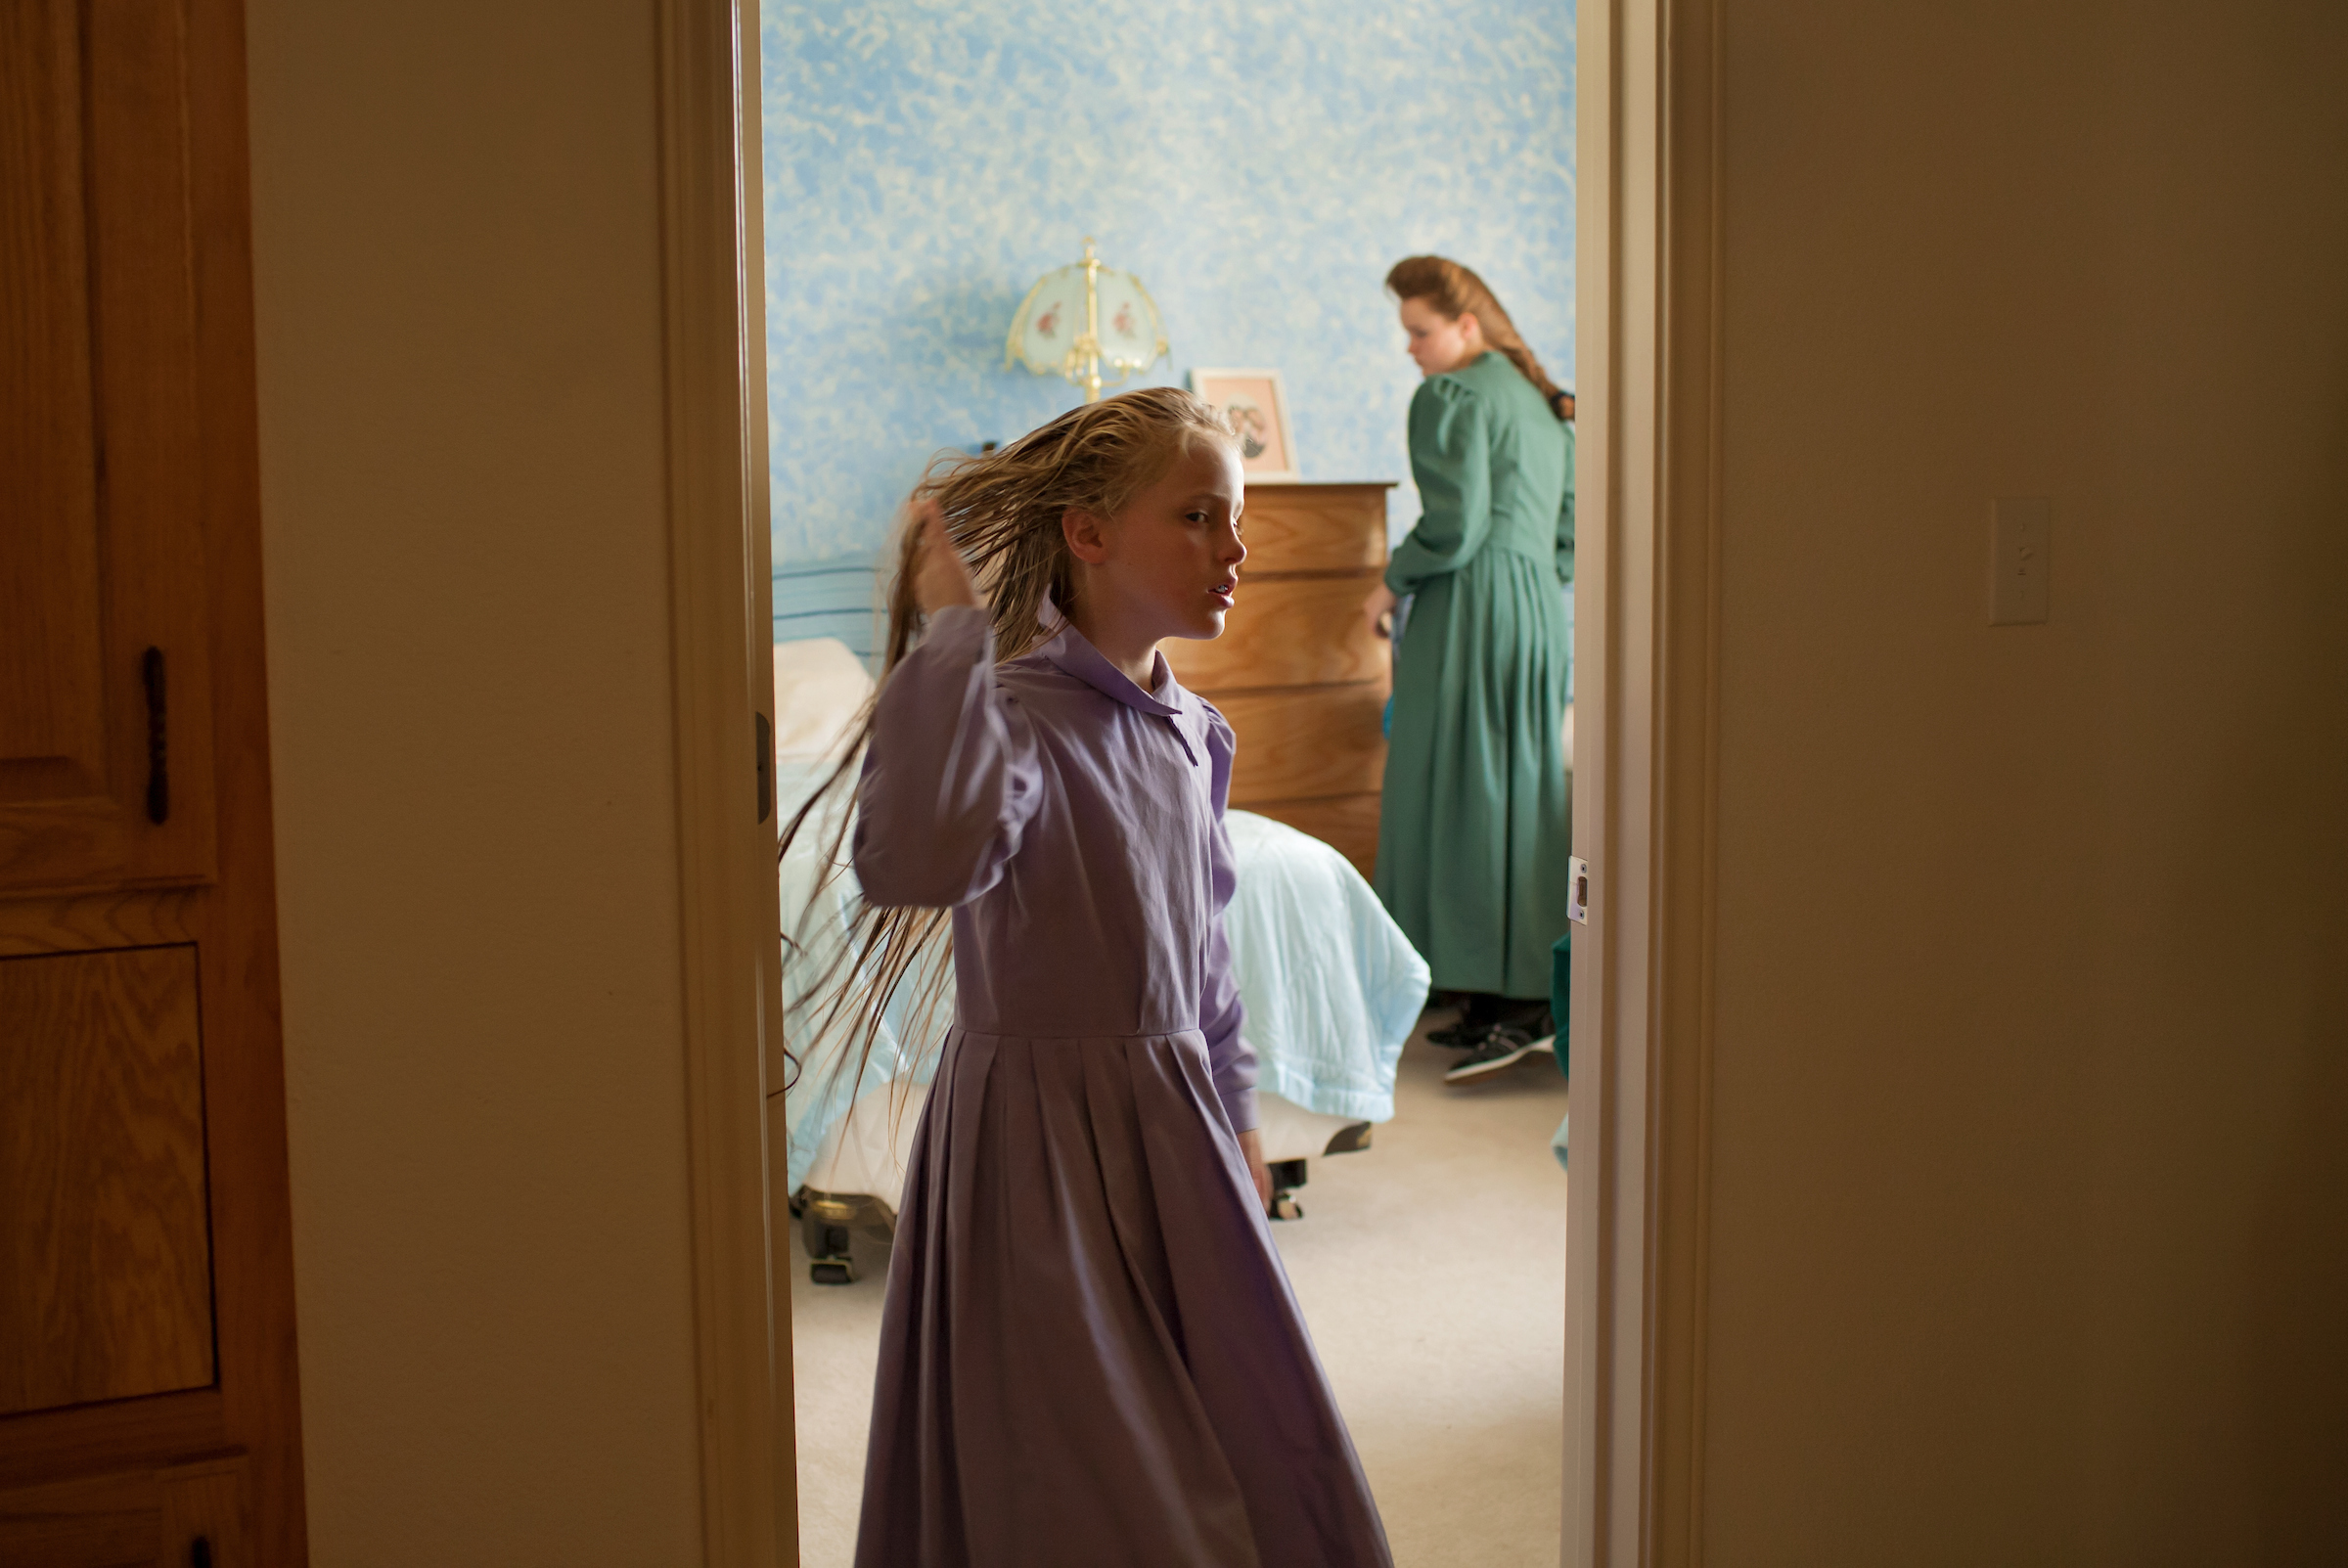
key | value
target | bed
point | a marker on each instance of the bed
(1332, 990)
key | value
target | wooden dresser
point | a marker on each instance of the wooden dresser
(1296, 671)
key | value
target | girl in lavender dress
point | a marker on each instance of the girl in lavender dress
(1090, 1357)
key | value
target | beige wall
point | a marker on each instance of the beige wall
(458, 286)
(2030, 1119)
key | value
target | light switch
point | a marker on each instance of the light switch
(2020, 531)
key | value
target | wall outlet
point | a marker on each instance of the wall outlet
(2020, 535)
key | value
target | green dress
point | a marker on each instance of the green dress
(1476, 823)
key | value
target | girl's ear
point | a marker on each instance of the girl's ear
(1084, 534)
(1470, 328)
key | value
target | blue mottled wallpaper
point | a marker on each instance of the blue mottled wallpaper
(1259, 166)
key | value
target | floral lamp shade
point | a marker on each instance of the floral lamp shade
(1083, 318)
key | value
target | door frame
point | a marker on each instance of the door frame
(1647, 642)
(721, 642)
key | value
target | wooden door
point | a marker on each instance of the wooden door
(147, 1408)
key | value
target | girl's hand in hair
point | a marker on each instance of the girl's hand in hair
(939, 575)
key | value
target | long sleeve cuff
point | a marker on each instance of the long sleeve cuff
(1233, 1069)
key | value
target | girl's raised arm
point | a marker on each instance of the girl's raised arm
(951, 778)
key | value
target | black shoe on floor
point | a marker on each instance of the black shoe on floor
(1461, 1036)
(1503, 1047)
(1528, 1018)
(1478, 1013)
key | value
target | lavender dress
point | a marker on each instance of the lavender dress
(1089, 1356)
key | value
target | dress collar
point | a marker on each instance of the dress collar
(1069, 649)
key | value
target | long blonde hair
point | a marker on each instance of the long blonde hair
(1454, 291)
(1003, 511)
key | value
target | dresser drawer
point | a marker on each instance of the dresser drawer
(1315, 527)
(1290, 631)
(1295, 745)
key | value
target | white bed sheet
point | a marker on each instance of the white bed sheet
(1332, 987)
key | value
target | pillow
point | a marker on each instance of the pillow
(820, 687)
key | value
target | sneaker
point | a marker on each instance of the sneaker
(1460, 1036)
(1531, 1019)
(1503, 1047)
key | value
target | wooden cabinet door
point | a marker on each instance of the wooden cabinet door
(149, 1399)
(105, 701)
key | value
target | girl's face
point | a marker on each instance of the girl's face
(1440, 342)
(1168, 565)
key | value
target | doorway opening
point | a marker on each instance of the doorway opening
(919, 176)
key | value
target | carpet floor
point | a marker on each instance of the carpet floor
(1431, 1268)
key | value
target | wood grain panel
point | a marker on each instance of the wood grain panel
(113, 1521)
(1347, 822)
(93, 1439)
(212, 1502)
(52, 737)
(1290, 631)
(1296, 746)
(102, 478)
(138, 1519)
(92, 921)
(1315, 527)
(107, 1291)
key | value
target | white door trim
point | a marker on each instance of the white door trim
(1647, 688)
(721, 641)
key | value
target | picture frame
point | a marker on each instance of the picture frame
(1257, 401)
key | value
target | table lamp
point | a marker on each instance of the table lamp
(1083, 317)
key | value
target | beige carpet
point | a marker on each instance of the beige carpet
(1432, 1273)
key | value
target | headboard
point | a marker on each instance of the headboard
(837, 598)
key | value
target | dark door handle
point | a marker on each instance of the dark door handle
(159, 768)
(765, 737)
(200, 1553)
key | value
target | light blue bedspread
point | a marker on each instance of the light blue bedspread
(1332, 986)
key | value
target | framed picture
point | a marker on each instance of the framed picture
(1258, 406)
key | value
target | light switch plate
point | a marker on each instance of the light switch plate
(2022, 529)
(1577, 908)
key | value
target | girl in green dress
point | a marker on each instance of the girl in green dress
(1476, 821)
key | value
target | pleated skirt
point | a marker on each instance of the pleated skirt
(1090, 1357)
(1476, 825)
